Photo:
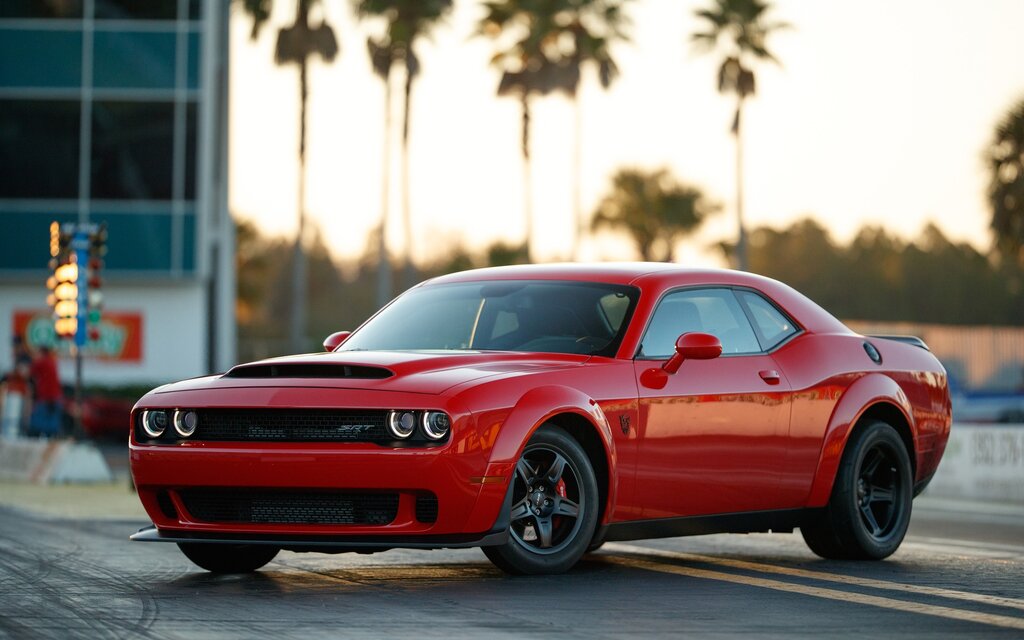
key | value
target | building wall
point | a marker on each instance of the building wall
(172, 342)
(114, 111)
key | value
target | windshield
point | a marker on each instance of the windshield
(544, 316)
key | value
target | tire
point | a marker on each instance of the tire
(869, 511)
(228, 558)
(554, 507)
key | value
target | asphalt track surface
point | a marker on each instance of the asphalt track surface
(958, 574)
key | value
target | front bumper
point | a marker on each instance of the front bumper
(466, 505)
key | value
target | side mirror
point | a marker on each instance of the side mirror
(693, 346)
(334, 340)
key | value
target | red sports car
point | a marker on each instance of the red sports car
(537, 411)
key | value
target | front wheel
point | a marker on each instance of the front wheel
(228, 558)
(554, 507)
(869, 510)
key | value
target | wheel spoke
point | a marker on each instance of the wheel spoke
(871, 464)
(544, 531)
(566, 507)
(881, 494)
(869, 519)
(554, 474)
(520, 510)
(525, 471)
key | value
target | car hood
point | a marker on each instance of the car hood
(402, 371)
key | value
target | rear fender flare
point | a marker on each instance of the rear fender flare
(869, 390)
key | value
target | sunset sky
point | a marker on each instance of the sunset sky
(878, 115)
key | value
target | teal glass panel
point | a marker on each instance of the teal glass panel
(194, 60)
(188, 257)
(134, 60)
(25, 241)
(137, 241)
(40, 58)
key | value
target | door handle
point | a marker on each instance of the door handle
(771, 376)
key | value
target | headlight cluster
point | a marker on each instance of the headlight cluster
(155, 422)
(434, 425)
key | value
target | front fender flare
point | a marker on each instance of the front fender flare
(533, 409)
(858, 398)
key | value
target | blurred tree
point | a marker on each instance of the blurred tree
(880, 277)
(1005, 158)
(739, 28)
(296, 44)
(595, 25)
(528, 36)
(654, 209)
(405, 22)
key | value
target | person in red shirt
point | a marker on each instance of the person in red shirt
(47, 410)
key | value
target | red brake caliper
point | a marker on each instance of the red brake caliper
(560, 490)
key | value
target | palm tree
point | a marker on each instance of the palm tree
(296, 44)
(654, 209)
(595, 25)
(740, 28)
(406, 21)
(528, 35)
(1005, 158)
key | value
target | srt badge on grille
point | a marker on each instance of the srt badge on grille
(353, 429)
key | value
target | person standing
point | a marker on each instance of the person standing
(47, 410)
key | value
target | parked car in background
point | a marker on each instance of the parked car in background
(537, 411)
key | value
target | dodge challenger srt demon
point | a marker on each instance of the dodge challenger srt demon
(538, 411)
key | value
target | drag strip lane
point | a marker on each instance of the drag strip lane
(640, 558)
(823, 576)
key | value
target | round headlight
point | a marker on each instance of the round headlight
(154, 423)
(436, 424)
(185, 422)
(401, 424)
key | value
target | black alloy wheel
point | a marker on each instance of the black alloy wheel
(869, 511)
(228, 558)
(554, 507)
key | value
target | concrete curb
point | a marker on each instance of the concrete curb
(52, 462)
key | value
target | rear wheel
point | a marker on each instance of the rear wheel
(554, 507)
(869, 510)
(228, 558)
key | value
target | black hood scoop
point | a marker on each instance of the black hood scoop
(308, 370)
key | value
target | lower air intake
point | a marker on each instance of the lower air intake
(290, 507)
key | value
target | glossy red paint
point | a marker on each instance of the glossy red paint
(729, 434)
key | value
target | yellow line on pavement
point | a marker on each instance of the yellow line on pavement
(826, 577)
(820, 592)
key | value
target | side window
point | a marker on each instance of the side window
(713, 311)
(773, 325)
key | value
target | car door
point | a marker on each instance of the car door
(713, 437)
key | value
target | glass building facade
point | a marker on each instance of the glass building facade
(99, 108)
(114, 111)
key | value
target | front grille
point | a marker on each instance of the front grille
(292, 425)
(426, 508)
(290, 507)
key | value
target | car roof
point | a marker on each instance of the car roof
(610, 272)
(654, 279)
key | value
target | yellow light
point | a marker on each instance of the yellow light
(51, 300)
(51, 283)
(66, 291)
(66, 326)
(66, 308)
(67, 273)
(54, 239)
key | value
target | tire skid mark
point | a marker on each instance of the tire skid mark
(71, 567)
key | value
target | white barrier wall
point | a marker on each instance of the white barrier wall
(982, 462)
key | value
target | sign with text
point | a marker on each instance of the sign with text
(119, 338)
